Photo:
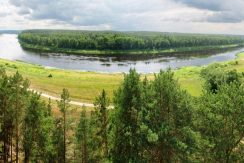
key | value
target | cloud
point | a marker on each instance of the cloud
(214, 5)
(197, 16)
(224, 11)
(107, 12)
(118, 14)
(226, 17)
(79, 12)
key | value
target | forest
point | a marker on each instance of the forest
(115, 41)
(148, 120)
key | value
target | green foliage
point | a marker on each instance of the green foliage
(215, 77)
(111, 40)
(57, 140)
(82, 136)
(6, 114)
(150, 121)
(18, 97)
(25, 120)
(64, 106)
(167, 123)
(64, 102)
(101, 123)
(221, 116)
(126, 128)
(37, 125)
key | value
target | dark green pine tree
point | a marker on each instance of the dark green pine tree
(57, 140)
(101, 124)
(126, 127)
(6, 117)
(148, 138)
(221, 121)
(30, 128)
(168, 121)
(49, 108)
(19, 93)
(64, 106)
(82, 142)
(37, 143)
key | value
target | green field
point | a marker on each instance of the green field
(85, 86)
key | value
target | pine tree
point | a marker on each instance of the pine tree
(168, 121)
(64, 105)
(37, 125)
(49, 108)
(101, 115)
(57, 140)
(148, 138)
(6, 116)
(82, 138)
(31, 126)
(126, 124)
(220, 118)
(19, 92)
(45, 135)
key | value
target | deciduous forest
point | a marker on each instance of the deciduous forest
(111, 40)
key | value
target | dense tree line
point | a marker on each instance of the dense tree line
(147, 121)
(110, 40)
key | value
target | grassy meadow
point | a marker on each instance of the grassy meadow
(85, 86)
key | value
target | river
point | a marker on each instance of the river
(11, 49)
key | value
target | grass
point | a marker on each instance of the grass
(85, 86)
(190, 80)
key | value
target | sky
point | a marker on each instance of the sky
(185, 16)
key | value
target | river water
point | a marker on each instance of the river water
(11, 49)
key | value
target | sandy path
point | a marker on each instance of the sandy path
(57, 98)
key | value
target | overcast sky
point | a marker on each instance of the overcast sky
(194, 16)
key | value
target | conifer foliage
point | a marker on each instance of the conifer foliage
(148, 120)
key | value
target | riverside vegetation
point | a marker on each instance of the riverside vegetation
(194, 114)
(124, 43)
(84, 86)
(153, 120)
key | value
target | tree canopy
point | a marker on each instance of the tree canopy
(111, 40)
(147, 121)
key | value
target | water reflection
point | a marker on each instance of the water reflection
(10, 49)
